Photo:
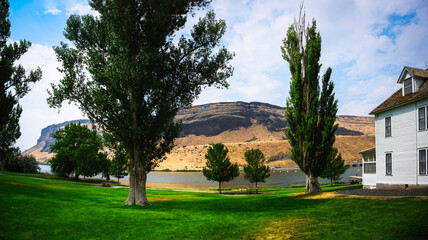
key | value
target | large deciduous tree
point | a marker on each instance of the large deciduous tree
(311, 110)
(14, 84)
(140, 74)
(218, 166)
(78, 151)
(255, 170)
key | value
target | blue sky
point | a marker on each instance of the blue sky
(366, 43)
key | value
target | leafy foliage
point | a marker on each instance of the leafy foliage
(118, 168)
(218, 165)
(140, 74)
(311, 111)
(16, 162)
(78, 151)
(14, 84)
(335, 167)
(255, 170)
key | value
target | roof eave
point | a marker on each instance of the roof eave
(372, 149)
(398, 105)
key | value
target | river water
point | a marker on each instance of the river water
(278, 178)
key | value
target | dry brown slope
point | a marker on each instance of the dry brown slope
(277, 152)
(241, 126)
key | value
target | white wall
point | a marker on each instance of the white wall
(422, 142)
(369, 179)
(401, 143)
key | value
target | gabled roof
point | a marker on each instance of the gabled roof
(416, 72)
(397, 99)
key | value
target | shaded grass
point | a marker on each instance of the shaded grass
(45, 207)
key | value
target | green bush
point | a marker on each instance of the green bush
(22, 163)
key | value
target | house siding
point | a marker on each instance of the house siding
(369, 179)
(401, 143)
(421, 142)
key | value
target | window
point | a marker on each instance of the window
(422, 118)
(388, 158)
(423, 162)
(369, 164)
(387, 126)
(408, 86)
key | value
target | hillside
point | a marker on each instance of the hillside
(240, 126)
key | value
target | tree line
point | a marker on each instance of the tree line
(80, 151)
(128, 71)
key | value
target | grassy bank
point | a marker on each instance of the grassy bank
(45, 207)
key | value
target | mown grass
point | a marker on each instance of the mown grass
(44, 207)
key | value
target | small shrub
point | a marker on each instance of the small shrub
(22, 164)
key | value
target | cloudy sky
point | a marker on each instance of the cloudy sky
(366, 43)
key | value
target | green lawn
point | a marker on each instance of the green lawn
(43, 207)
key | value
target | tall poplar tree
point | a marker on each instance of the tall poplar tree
(140, 74)
(14, 84)
(311, 110)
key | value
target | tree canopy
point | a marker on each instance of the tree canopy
(130, 73)
(14, 84)
(255, 170)
(335, 167)
(311, 110)
(218, 166)
(78, 151)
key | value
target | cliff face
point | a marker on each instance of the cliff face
(213, 119)
(47, 132)
(239, 125)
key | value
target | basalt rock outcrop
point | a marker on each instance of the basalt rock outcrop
(240, 126)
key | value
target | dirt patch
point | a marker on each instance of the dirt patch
(322, 195)
(159, 199)
(416, 192)
(283, 228)
(251, 193)
(103, 193)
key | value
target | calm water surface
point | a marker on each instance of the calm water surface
(278, 178)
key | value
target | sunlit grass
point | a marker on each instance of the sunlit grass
(46, 207)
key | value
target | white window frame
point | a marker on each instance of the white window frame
(390, 126)
(425, 118)
(404, 86)
(386, 164)
(369, 163)
(426, 160)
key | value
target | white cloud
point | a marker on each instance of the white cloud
(81, 9)
(53, 11)
(365, 62)
(36, 113)
(352, 44)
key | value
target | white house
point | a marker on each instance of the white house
(401, 122)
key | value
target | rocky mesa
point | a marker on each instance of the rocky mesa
(240, 126)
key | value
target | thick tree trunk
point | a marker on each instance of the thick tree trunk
(137, 182)
(131, 196)
(312, 184)
(140, 194)
(219, 187)
(76, 176)
(137, 173)
(2, 165)
(118, 182)
(2, 160)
